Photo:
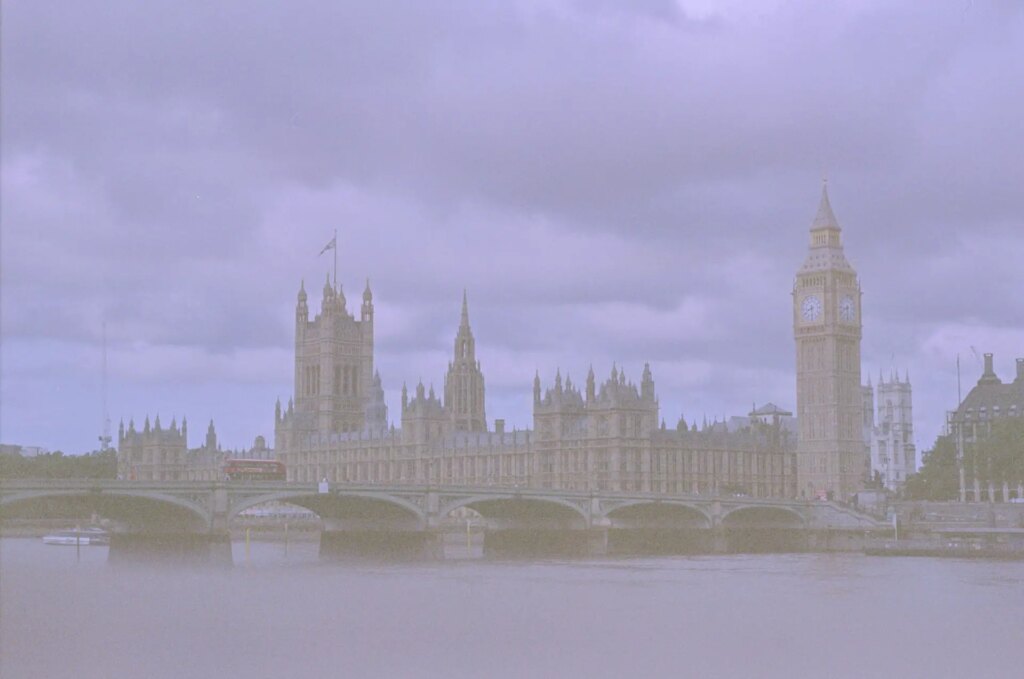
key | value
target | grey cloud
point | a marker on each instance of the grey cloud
(587, 170)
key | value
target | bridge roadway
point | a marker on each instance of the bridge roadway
(189, 518)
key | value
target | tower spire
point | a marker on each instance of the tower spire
(825, 218)
(464, 393)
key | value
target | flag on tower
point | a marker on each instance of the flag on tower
(330, 246)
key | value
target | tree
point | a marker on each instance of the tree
(939, 478)
(57, 465)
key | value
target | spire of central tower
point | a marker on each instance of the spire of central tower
(825, 219)
(826, 246)
(464, 384)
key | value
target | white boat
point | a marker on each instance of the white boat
(84, 537)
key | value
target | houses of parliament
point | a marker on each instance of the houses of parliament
(605, 434)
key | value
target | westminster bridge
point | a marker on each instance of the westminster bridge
(194, 518)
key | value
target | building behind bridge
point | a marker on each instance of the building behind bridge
(607, 437)
(889, 429)
(156, 453)
(988, 401)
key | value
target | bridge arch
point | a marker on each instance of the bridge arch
(337, 504)
(659, 509)
(517, 506)
(133, 506)
(763, 515)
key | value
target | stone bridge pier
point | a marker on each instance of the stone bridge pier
(373, 526)
(654, 527)
(169, 537)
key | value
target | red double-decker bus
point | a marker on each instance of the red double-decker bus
(236, 469)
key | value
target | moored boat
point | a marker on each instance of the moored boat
(78, 537)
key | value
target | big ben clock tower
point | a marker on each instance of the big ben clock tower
(827, 328)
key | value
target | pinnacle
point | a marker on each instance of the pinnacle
(825, 219)
(465, 309)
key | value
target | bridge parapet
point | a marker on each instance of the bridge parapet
(215, 505)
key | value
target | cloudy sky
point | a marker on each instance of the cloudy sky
(610, 181)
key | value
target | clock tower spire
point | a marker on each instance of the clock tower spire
(827, 327)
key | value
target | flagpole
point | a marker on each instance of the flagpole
(335, 259)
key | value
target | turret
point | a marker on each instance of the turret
(339, 298)
(184, 429)
(647, 384)
(301, 310)
(327, 302)
(591, 387)
(367, 308)
(405, 397)
(211, 437)
(536, 388)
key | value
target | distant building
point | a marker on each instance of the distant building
(971, 422)
(162, 454)
(766, 414)
(890, 437)
(154, 453)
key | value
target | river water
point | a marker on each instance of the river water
(277, 615)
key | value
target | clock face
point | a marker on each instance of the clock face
(847, 309)
(810, 308)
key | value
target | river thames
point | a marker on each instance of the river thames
(280, 615)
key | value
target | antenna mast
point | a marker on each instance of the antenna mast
(105, 436)
(960, 435)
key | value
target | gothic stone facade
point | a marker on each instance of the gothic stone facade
(831, 459)
(890, 437)
(608, 439)
(161, 454)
